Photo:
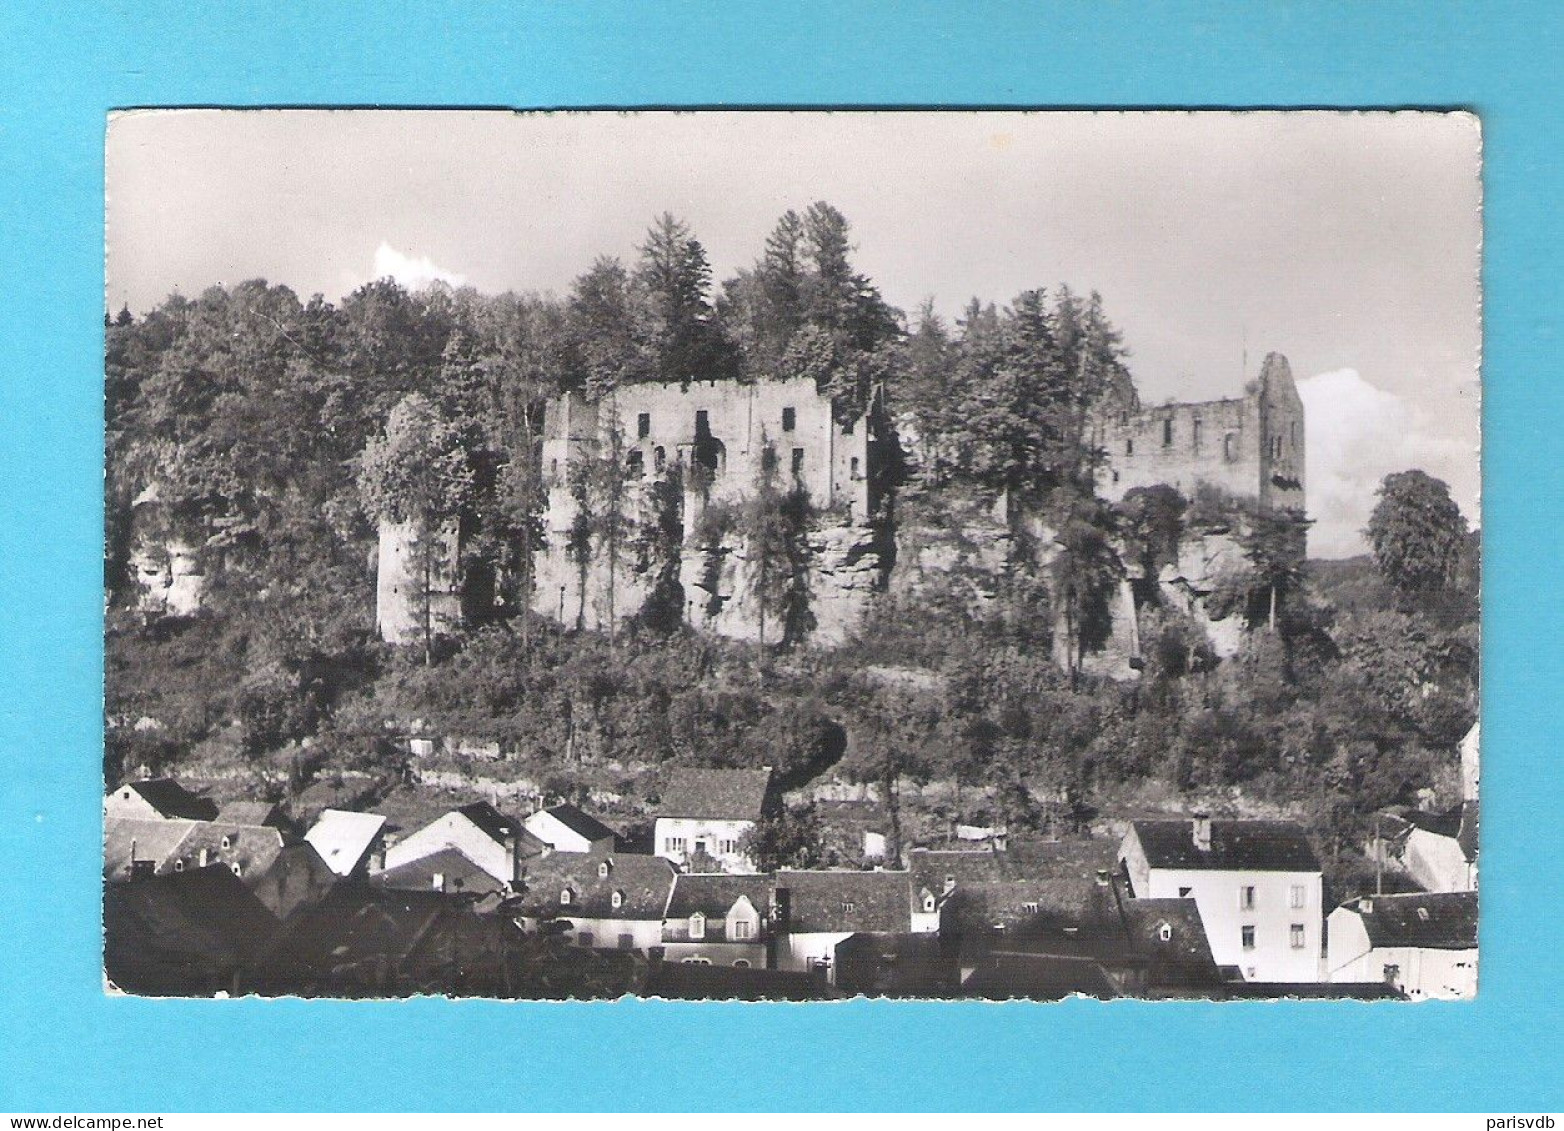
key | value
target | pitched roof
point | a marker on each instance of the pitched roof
(1236, 846)
(457, 870)
(1046, 977)
(151, 838)
(932, 867)
(252, 847)
(581, 822)
(344, 838)
(713, 894)
(1435, 920)
(171, 799)
(849, 902)
(494, 824)
(248, 813)
(730, 795)
(643, 882)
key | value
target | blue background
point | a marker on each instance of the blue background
(65, 1046)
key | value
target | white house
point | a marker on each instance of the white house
(158, 799)
(817, 910)
(603, 900)
(704, 815)
(1437, 850)
(346, 840)
(564, 828)
(1424, 944)
(719, 920)
(492, 841)
(1257, 885)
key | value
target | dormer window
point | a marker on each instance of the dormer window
(604, 868)
(564, 897)
(235, 867)
(1030, 907)
(1165, 932)
(617, 900)
(227, 843)
(179, 865)
(928, 902)
(697, 926)
(849, 905)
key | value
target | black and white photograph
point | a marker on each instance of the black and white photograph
(792, 555)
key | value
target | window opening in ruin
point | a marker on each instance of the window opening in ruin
(1195, 433)
(659, 459)
(853, 468)
(798, 461)
(643, 425)
(1229, 447)
(1167, 433)
(768, 459)
(702, 423)
(1129, 447)
(847, 428)
(789, 419)
(636, 464)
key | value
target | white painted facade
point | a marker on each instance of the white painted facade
(680, 838)
(560, 836)
(1270, 925)
(1438, 863)
(456, 831)
(1419, 972)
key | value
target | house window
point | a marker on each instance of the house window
(179, 865)
(798, 461)
(202, 861)
(617, 900)
(643, 425)
(564, 897)
(697, 960)
(743, 929)
(789, 419)
(1167, 433)
(437, 881)
(728, 846)
(697, 926)
(1246, 898)
(603, 869)
(741, 963)
(1029, 908)
(1296, 897)
(1392, 973)
(674, 844)
(1183, 893)
(626, 942)
(1296, 936)
(585, 938)
(849, 905)
(1247, 934)
(928, 902)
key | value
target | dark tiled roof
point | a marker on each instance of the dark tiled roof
(880, 902)
(713, 895)
(1440, 824)
(1263, 846)
(152, 838)
(171, 799)
(736, 795)
(248, 813)
(252, 847)
(1437, 920)
(932, 867)
(457, 870)
(583, 823)
(1044, 977)
(1187, 944)
(977, 908)
(645, 883)
(181, 934)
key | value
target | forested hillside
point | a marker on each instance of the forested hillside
(251, 424)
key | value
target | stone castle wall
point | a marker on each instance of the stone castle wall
(400, 583)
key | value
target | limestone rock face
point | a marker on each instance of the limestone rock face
(170, 577)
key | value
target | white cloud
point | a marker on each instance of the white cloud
(413, 272)
(1359, 433)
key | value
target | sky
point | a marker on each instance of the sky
(1350, 242)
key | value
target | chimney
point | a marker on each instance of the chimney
(1202, 831)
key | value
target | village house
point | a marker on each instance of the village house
(346, 841)
(611, 901)
(479, 834)
(1423, 944)
(719, 920)
(816, 911)
(565, 828)
(1257, 883)
(158, 799)
(705, 814)
(1437, 851)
